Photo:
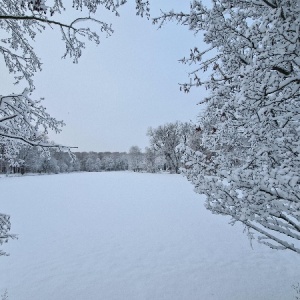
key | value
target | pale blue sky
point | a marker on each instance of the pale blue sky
(121, 87)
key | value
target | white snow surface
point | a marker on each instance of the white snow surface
(123, 235)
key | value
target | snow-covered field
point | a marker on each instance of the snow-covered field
(130, 236)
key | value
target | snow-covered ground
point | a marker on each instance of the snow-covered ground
(124, 235)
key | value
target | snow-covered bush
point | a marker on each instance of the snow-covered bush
(250, 127)
(4, 231)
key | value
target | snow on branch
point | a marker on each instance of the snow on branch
(23, 20)
(249, 131)
(23, 120)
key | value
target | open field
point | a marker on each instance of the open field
(123, 235)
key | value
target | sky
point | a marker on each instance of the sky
(119, 88)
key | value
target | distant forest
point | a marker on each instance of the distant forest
(29, 160)
(161, 155)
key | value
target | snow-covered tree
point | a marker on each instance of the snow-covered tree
(90, 164)
(49, 165)
(32, 159)
(121, 162)
(75, 166)
(250, 126)
(64, 162)
(150, 160)
(108, 163)
(154, 160)
(165, 138)
(135, 159)
(98, 165)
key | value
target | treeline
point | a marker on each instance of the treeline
(162, 154)
(35, 160)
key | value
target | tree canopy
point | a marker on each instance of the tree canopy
(250, 125)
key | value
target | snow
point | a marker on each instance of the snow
(122, 235)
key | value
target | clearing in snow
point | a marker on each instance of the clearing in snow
(122, 235)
